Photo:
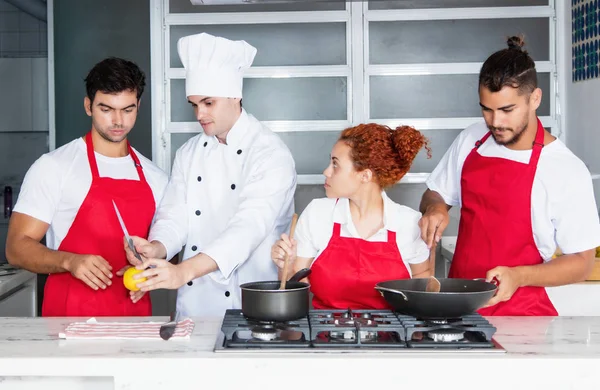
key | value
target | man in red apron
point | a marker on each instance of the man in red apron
(68, 195)
(515, 183)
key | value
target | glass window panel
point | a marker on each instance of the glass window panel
(410, 195)
(439, 142)
(311, 150)
(434, 96)
(186, 6)
(277, 44)
(419, 4)
(304, 98)
(177, 140)
(436, 41)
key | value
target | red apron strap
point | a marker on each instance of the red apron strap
(337, 228)
(538, 144)
(482, 140)
(91, 155)
(391, 237)
(136, 161)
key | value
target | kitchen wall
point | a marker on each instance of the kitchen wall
(86, 32)
(23, 100)
(581, 111)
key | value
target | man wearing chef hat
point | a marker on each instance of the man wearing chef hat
(231, 190)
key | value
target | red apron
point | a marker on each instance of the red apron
(345, 274)
(96, 230)
(495, 226)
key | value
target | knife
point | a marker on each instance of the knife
(129, 240)
(167, 330)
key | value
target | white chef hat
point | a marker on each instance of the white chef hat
(214, 66)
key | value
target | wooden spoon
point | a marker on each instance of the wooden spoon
(433, 285)
(286, 263)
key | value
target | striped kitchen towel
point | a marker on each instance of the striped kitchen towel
(92, 329)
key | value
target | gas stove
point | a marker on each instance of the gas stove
(357, 331)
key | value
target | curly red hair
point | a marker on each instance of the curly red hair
(388, 153)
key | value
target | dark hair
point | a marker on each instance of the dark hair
(509, 67)
(388, 153)
(114, 75)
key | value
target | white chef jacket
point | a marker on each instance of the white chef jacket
(563, 207)
(315, 228)
(57, 183)
(232, 202)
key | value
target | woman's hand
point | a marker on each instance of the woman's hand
(282, 248)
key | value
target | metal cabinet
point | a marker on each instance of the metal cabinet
(18, 295)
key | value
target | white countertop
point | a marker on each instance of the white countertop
(542, 352)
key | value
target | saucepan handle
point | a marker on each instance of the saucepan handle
(390, 290)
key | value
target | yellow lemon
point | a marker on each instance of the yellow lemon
(128, 280)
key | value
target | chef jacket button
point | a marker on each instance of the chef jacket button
(198, 212)
(227, 293)
(239, 151)
(233, 186)
(194, 247)
(190, 283)
(206, 143)
(199, 178)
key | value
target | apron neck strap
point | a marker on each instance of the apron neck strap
(94, 165)
(91, 155)
(391, 237)
(538, 143)
(337, 228)
(482, 140)
(136, 161)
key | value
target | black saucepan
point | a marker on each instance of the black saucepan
(456, 298)
(264, 301)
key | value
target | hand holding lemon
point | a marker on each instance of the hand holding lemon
(128, 280)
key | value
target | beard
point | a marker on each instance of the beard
(105, 134)
(516, 135)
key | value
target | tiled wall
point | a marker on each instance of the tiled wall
(21, 35)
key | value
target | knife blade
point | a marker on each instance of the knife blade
(167, 330)
(127, 237)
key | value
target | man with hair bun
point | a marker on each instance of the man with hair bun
(358, 236)
(521, 191)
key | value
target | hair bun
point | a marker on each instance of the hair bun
(515, 42)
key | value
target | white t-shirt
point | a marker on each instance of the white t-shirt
(57, 183)
(563, 208)
(315, 228)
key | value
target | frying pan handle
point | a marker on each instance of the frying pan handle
(493, 281)
(382, 289)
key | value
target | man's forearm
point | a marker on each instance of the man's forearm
(562, 270)
(432, 199)
(198, 266)
(160, 250)
(31, 255)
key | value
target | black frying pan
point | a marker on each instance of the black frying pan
(457, 297)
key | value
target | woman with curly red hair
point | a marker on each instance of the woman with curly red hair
(358, 236)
